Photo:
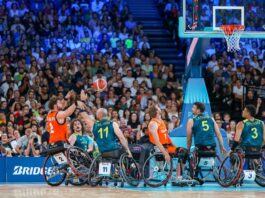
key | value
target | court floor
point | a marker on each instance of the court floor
(205, 191)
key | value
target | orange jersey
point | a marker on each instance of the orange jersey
(58, 132)
(162, 132)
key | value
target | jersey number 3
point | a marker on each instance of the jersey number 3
(255, 133)
(205, 125)
(101, 131)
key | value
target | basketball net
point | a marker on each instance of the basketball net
(232, 35)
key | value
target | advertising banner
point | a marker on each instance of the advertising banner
(2, 169)
(24, 169)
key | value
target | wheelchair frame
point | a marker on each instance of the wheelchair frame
(67, 169)
(197, 155)
(117, 172)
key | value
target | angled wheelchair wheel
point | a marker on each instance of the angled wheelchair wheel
(54, 173)
(258, 166)
(230, 170)
(129, 170)
(94, 178)
(79, 161)
(158, 169)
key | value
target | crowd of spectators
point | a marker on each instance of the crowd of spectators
(235, 79)
(50, 47)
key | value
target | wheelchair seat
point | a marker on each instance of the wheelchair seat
(252, 152)
(116, 154)
(253, 155)
(179, 155)
(206, 153)
(56, 147)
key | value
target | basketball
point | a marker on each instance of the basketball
(100, 85)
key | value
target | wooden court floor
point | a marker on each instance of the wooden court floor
(44, 191)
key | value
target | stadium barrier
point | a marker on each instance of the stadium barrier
(21, 169)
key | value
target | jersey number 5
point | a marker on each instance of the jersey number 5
(101, 131)
(205, 125)
(255, 133)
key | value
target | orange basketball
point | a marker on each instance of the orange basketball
(100, 84)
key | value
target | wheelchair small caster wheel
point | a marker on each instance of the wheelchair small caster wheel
(107, 183)
(115, 184)
(100, 184)
(122, 184)
(66, 183)
(165, 185)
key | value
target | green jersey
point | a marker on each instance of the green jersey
(203, 130)
(83, 141)
(252, 134)
(104, 135)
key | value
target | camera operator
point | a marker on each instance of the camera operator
(34, 147)
(5, 146)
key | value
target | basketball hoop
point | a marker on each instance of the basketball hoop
(232, 35)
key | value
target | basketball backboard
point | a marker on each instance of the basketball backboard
(203, 18)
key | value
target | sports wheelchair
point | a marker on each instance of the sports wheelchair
(65, 162)
(157, 171)
(249, 158)
(204, 162)
(114, 166)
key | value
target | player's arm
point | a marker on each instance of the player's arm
(219, 137)
(66, 113)
(72, 139)
(90, 143)
(153, 129)
(90, 148)
(87, 119)
(70, 110)
(121, 137)
(239, 129)
(189, 133)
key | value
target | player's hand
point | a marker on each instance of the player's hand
(129, 153)
(228, 153)
(223, 151)
(83, 95)
(167, 157)
(81, 105)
